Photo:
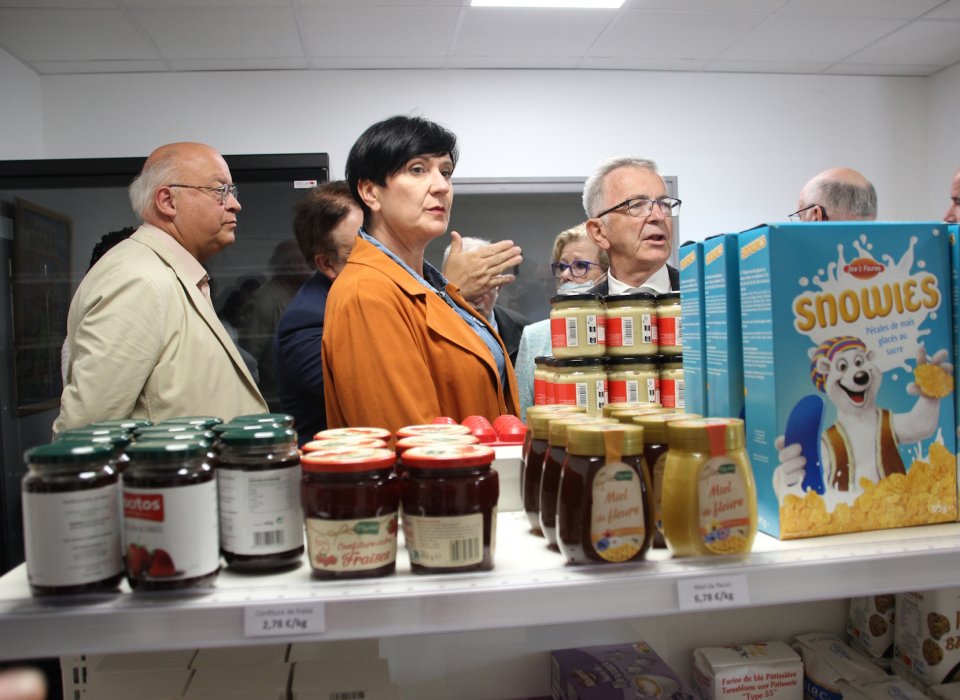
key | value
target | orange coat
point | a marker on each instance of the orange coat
(395, 354)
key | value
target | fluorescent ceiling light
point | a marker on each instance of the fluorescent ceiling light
(592, 4)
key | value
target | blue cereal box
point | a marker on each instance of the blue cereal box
(691, 310)
(847, 353)
(724, 344)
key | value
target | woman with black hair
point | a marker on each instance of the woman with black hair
(401, 346)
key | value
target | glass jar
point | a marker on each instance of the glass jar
(449, 496)
(127, 424)
(610, 408)
(669, 324)
(577, 326)
(534, 452)
(631, 324)
(633, 380)
(550, 381)
(552, 469)
(405, 443)
(581, 381)
(542, 374)
(433, 429)
(258, 485)
(333, 433)
(343, 443)
(282, 420)
(350, 503)
(198, 422)
(71, 519)
(118, 441)
(671, 382)
(170, 526)
(709, 494)
(604, 512)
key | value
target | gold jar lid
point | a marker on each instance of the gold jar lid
(593, 439)
(609, 408)
(559, 428)
(655, 424)
(539, 417)
(627, 415)
(715, 436)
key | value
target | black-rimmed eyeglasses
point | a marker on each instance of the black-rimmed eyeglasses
(798, 214)
(224, 192)
(642, 206)
(578, 268)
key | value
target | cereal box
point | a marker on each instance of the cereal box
(847, 345)
(829, 664)
(927, 635)
(761, 671)
(870, 624)
(724, 343)
(614, 671)
(691, 308)
(953, 235)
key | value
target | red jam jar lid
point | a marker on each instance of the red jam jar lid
(333, 433)
(407, 443)
(340, 443)
(433, 429)
(349, 460)
(448, 456)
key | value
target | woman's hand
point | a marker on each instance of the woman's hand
(483, 269)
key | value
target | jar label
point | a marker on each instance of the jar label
(671, 393)
(658, 470)
(669, 327)
(591, 395)
(444, 542)
(627, 331)
(352, 545)
(171, 533)
(72, 538)
(723, 506)
(260, 510)
(617, 524)
(645, 390)
(563, 332)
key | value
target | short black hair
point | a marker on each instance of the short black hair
(317, 214)
(108, 241)
(384, 148)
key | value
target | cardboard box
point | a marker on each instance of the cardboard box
(165, 684)
(836, 318)
(723, 339)
(347, 649)
(321, 680)
(870, 624)
(694, 332)
(889, 688)
(241, 656)
(762, 671)
(953, 235)
(829, 663)
(268, 681)
(145, 661)
(613, 671)
(927, 635)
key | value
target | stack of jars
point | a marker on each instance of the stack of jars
(614, 349)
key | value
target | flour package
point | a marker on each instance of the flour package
(847, 354)
(830, 666)
(767, 670)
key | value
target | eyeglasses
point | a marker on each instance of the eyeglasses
(796, 216)
(641, 206)
(224, 192)
(578, 268)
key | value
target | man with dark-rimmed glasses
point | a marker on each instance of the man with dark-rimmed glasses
(837, 194)
(630, 216)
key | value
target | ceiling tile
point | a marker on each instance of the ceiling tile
(382, 31)
(215, 64)
(673, 35)
(71, 35)
(761, 6)
(795, 67)
(808, 39)
(198, 4)
(250, 32)
(544, 62)
(634, 63)
(880, 69)
(924, 42)
(382, 3)
(875, 9)
(376, 62)
(72, 67)
(948, 10)
(492, 31)
(67, 4)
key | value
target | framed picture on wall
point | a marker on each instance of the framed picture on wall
(41, 299)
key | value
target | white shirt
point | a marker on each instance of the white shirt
(658, 282)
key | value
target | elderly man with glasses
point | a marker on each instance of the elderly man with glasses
(630, 217)
(837, 194)
(144, 339)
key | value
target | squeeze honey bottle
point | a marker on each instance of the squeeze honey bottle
(709, 494)
(604, 512)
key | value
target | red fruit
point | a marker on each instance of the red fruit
(161, 565)
(138, 560)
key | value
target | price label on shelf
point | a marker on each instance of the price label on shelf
(283, 620)
(713, 592)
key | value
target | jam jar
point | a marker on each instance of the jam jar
(449, 495)
(198, 422)
(71, 520)
(604, 513)
(258, 486)
(669, 324)
(610, 408)
(333, 433)
(433, 429)
(631, 324)
(633, 380)
(170, 529)
(553, 467)
(577, 326)
(342, 443)
(405, 443)
(282, 420)
(117, 440)
(350, 502)
(533, 455)
(626, 415)
(128, 424)
(671, 382)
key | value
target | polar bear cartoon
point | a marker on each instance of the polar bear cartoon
(864, 441)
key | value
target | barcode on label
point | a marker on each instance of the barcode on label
(633, 391)
(601, 394)
(268, 539)
(572, 339)
(680, 403)
(581, 393)
(593, 337)
(653, 395)
(649, 326)
(679, 332)
(627, 330)
(349, 695)
(465, 550)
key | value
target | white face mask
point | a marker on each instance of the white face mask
(575, 287)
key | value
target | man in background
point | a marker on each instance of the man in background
(838, 194)
(630, 216)
(144, 339)
(953, 212)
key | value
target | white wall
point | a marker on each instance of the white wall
(742, 145)
(21, 132)
(943, 156)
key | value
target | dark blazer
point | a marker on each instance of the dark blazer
(296, 347)
(510, 327)
(603, 286)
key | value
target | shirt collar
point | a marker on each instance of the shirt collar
(193, 271)
(658, 282)
(431, 278)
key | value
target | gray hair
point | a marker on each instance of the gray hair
(469, 243)
(844, 200)
(155, 174)
(593, 187)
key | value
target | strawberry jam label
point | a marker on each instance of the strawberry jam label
(352, 545)
(444, 542)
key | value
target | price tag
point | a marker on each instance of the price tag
(304, 184)
(715, 592)
(283, 620)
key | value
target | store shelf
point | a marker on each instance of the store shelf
(530, 587)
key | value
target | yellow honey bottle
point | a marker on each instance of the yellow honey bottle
(709, 497)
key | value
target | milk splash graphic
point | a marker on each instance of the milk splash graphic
(881, 302)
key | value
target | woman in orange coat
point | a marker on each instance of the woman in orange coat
(401, 345)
